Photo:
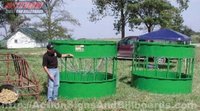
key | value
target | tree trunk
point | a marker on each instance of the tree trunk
(122, 23)
(6, 30)
(149, 29)
(49, 20)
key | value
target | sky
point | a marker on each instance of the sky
(104, 28)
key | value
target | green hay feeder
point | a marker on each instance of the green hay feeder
(91, 73)
(163, 68)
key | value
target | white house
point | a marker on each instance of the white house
(25, 38)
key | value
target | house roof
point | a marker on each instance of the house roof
(31, 32)
(165, 34)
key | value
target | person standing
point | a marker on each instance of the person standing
(50, 66)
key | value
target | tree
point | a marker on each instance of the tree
(51, 22)
(16, 21)
(187, 31)
(3, 22)
(13, 20)
(136, 12)
(152, 13)
(183, 4)
(115, 8)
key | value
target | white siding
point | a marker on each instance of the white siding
(20, 40)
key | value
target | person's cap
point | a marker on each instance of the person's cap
(49, 46)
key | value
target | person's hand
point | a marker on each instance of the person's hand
(51, 77)
(70, 55)
(67, 55)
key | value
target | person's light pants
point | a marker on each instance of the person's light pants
(53, 86)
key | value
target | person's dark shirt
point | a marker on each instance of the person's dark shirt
(50, 59)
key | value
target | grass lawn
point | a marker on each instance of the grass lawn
(126, 98)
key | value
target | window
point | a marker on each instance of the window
(16, 41)
(130, 41)
(123, 41)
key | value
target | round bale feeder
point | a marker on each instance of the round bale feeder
(91, 73)
(163, 68)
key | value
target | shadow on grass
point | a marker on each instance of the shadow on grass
(44, 88)
(125, 80)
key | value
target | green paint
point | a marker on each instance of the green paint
(84, 86)
(170, 77)
(165, 50)
(92, 49)
(162, 86)
(81, 82)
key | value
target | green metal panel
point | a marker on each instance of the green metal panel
(171, 77)
(86, 49)
(85, 77)
(88, 81)
(161, 74)
(85, 87)
(165, 50)
(162, 86)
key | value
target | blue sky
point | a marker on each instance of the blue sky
(104, 28)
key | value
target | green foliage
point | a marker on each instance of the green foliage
(152, 13)
(137, 13)
(196, 37)
(2, 44)
(2, 16)
(53, 29)
(183, 4)
(187, 31)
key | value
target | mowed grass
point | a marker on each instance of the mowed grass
(127, 98)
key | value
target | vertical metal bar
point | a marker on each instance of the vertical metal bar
(133, 65)
(21, 78)
(7, 64)
(177, 67)
(146, 65)
(156, 66)
(168, 66)
(180, 67)
(106, 68)
(113, 67)
(141, 64)
(7, 68)
(65, 69)
(189, 66)
(192, 68)
(16, 65)
(186, 67)
(80, 64)
(89, 72)
(95, 63)
(135, 62)
(61, 63)
(80, 68)
(73, 65)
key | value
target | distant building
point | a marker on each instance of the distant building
(25, 38)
